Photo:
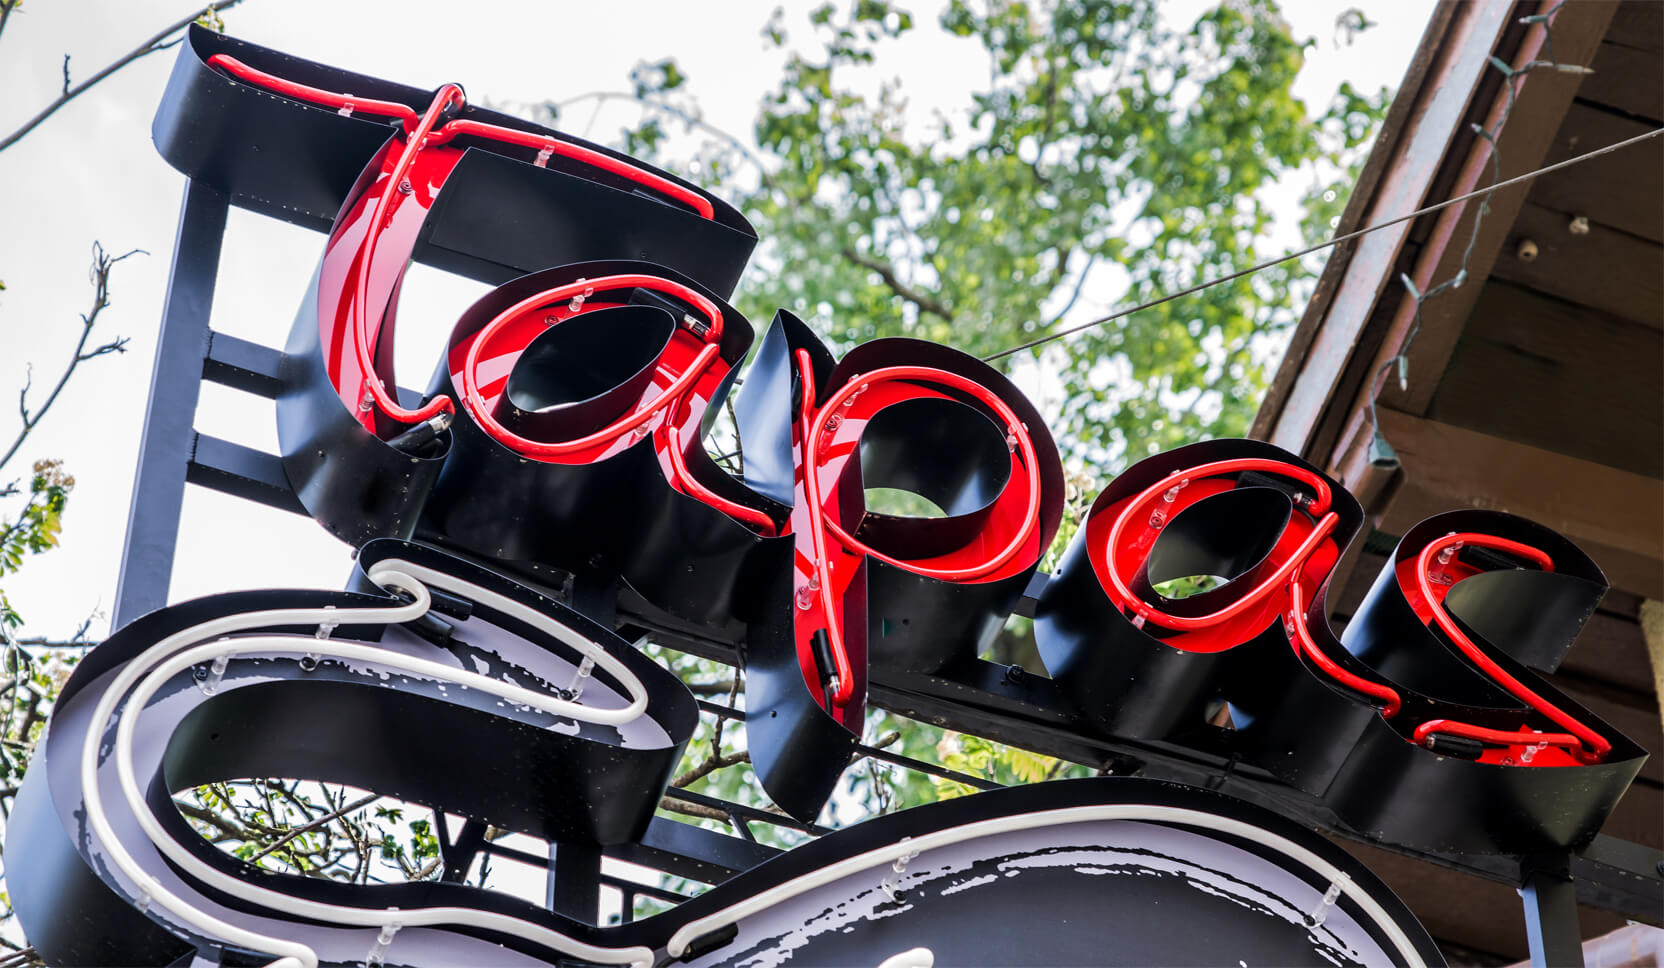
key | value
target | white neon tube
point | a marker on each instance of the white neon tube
(294, 955)
(693, 930)
(398, 573)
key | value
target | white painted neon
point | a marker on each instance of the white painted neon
(295, 955)
(410, 578)
(889, 853)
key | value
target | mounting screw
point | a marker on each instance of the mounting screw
(1527, 252)
(1015, 674)
(1579, 225)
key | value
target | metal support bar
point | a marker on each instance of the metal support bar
(241, 471)
(243, 365)
(1551, 926)
(573, 887)
(165, 443)
(692, 852)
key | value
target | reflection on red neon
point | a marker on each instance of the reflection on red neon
(1426, 596)
(363, 371)
(828, 437)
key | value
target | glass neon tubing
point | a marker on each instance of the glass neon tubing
(475, 400)
(1389, 697)
(693, 486)
(1318, 506)
(1302, 640)
(164, 661)
(815, 428)
(1597, 745)
(594, 159)
(408, 118)
(345, 103)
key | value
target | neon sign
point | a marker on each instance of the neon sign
(563, 435)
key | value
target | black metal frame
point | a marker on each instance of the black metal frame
(1002, 703)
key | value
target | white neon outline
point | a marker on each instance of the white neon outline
(410, 578)
(295, 955)
(1183, 816)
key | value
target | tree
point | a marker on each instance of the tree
(1110, 154)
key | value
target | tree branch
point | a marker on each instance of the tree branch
(327, 818)
(924, 301)
(102, 264)
(150, 46)
(229, 828)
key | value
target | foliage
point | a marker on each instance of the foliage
(35, 528)
(1109, 153)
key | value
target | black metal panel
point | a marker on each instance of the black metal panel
(1124, 679)
(298, 162)
(355, 484)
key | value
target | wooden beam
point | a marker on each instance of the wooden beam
(1627, 79)
(1638, 24)
(1617, 516)
(1617, 273)
(1624, 190)
(1321, 412)
(1554, 375)
(1525, 139)
(1324, 340)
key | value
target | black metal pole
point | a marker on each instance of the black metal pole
(574, 883)
(1551, 925)
(165, 442)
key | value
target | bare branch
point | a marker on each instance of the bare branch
(231, 829)
(711, 765)
(695, 810)
(925, 302)
(150, 46)
(102, 264)
(328, 818)
(676, 112)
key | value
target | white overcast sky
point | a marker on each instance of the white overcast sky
(91, 173)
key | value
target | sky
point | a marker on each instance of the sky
(90, 173)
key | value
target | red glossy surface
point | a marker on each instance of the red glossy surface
(1121, 538)
(1416, 577)
(828, 556)
(481, 363)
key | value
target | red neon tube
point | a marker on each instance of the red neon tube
(1597, 745)
(814, 430)
(1318, 505)
(346, 103)
(595, 159)
(475, 400)
(1501, 737)
(678, 465)
(417, 140)
(843, 674)
(1302, 639)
